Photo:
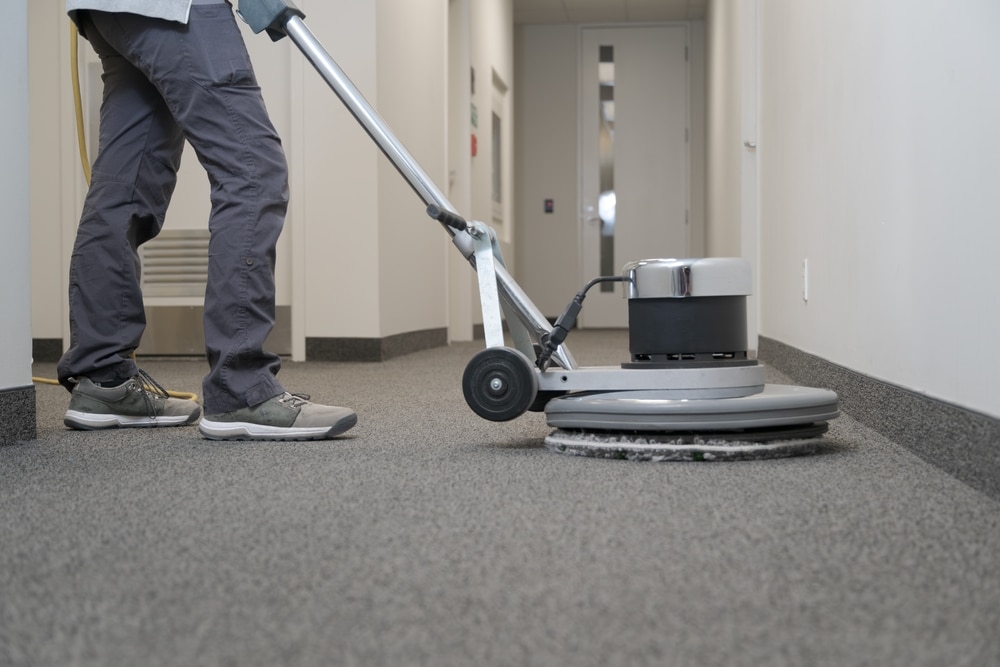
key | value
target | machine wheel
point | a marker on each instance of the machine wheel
(500, 384)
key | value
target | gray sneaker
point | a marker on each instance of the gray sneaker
(138, 403)
(284, 417)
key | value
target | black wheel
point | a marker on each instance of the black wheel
(499, 384)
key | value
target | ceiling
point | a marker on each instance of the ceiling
(607, 11)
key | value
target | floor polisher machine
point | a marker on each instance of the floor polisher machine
(690, 391)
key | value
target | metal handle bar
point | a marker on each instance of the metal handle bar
(366, 115)
(438, 205)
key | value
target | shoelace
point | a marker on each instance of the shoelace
(294, 400)
(150, 389)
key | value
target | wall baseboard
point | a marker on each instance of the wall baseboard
(374, 349)
(49, 350)
(963, 443)
(17, 415)
(46, 350)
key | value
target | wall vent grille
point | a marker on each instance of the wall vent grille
(175, 263)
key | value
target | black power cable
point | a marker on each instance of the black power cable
(552, 340)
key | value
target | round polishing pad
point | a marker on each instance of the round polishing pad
(777, 422)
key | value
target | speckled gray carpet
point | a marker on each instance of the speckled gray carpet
(430, 537)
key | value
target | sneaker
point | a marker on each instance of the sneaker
(284, 417)
(137, 403)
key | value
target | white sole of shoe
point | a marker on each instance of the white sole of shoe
(214, 430)
(87, 421)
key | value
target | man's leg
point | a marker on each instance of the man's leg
(203, 72)
(132, 181)
(133, 178)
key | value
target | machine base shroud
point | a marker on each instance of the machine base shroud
(779, 421)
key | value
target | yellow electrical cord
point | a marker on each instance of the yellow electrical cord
(81, 140)
(81, 135)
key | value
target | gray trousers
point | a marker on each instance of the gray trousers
(165, 82)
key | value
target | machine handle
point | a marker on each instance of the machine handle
(510, 292)
(446, 217)
(269, 15)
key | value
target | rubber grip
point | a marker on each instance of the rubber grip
(453, 220)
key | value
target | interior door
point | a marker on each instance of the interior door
(634, 156)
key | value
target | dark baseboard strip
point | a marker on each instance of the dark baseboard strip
(964, 443)
(17, 415)
(374, 349)
(46, 350)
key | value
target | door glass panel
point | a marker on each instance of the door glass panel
(606, 154)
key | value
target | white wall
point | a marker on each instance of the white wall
(335, 203)
(732, 224)
(368, 262)
(724, 141)
(412, 43)
(461, 277)
(879, 138)
(698, 119)
(480, 38)
(492, 52)
(15, 325)
(54, 168)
